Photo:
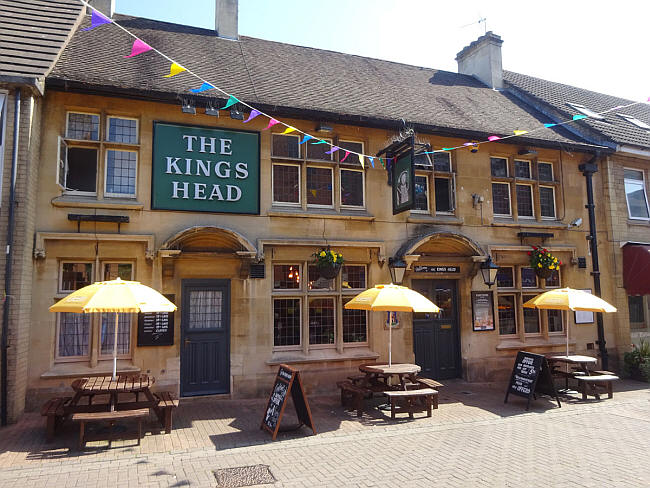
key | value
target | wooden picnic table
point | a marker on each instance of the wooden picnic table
(106, 385)
(376, 374)
(581, 362)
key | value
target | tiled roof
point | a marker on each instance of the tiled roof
(557, 97)
(274, 74)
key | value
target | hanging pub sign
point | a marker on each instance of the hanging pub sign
(403, 171)
(203, 169)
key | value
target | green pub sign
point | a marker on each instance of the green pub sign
(202, 169)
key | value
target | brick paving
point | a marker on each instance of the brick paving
(473, 439)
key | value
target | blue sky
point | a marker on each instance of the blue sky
(598, 45)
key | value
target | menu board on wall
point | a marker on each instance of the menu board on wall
(156, 328)
(482, 310)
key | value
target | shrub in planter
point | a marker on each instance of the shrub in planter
(543, 262)
(328, 263)
(636, 363)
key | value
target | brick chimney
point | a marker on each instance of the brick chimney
(225, 18)
(482, 60)
(107, 7)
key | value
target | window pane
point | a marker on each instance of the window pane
(83, 126)
(423, 160)
(421, 194)
(75, 276)
(443, 194)
(123, 333)
(553, 281)
(74, 334)
(123, 271)
(122, 130)
(531, 317)
(286, 276)
(507, 321)
(505, 277)
(635, 307)
(545, 171)
(286, 322)
(317, 282)
(354, 325)
(321, 321)
(442, 162)
(356, 147)
(631, 174)
(522, 169)
(82, 169)
(121, 168)
(353, 276)
(547, 201)
(319, 186)
(286, 146)
(206, 307)
(499, 167)
(528, 278)
(501, 198)
(286, 183)
(554, 320)
(317, 151)
(525, 200)
(636, 198)
(351, 188)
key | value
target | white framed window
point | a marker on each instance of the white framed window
(117, 269)
(318, 152)
(585, 111)
(82, 126)
(633, 120)
(286, 184)
(554, 321)
(74, 275)
(522, 169)
(355, 147)
(4, 98)
(80, 175)
(72, 336)
(286, 146)
(554, 280)
(532, 324)
(501, 199)
(107, 334)
(322, 321)
(499, 167)
(421, 194)
(635, 194)
(547, 202)
(525, 204)
(445, 190)
(637, 312)
(545, 171)
(507, 314)
(506, 277)
(442, 162)
(353, 277)
(320, 185)
(120, 173)
(352, 187)
(287, 322)
(122, 130)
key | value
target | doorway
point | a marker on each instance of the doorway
(205, 337)
(436, 337)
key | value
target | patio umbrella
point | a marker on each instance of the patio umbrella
(114, 296)
(391, 298)
(569, 299)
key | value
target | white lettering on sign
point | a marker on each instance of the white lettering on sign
(207, 144)
(172, 164)
(202, 167)
(216, 192)
(190, 142)
(219, 173)
(225, 147)
(211, 141)
(199, 191)
(233, 189)
(241, 171)
(176, 188)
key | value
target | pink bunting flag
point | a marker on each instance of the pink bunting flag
(272, 122)
(347, 153)
(139, 47)
(254, 113)
(493, 138)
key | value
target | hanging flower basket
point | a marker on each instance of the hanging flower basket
(328, 263)
(543, 262)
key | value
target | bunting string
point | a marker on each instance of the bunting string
(139, 47)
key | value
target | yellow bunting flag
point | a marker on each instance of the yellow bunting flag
(520, 132)
(175, 69)
(313, 192)
(361, 160)
(288, 130)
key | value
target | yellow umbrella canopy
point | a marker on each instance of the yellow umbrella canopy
(391, 298)
(114, 296)
(569, 299)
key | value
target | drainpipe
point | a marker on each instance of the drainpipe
(8, 263)
(588, 169)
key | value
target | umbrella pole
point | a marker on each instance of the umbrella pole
(117, 320)
(390, 335)
(566, 321)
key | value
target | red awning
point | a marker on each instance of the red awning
(636, 269)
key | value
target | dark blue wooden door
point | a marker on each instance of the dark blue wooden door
(436, 337)
(205, 337)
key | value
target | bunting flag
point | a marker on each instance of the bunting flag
(519, 132)
(333, 150)
(231, 101)
(272, 122)
(97, 19)
(549, 125)
(447, 148)
(174, 69)
(202, 88)
(139, 47)
(347, 153)
(361, 160)
(305, 139)
(579, 117)
(254, 113)
(493, 138)
(289, 130)
(372, 161)
(320, 142)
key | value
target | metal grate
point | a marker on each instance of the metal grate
(257, 271)
(259, 474)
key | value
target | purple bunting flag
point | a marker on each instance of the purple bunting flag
(254, 113)
(204, 87)
(97, 19)
(139, 47)
(306, 138)
(333, 150)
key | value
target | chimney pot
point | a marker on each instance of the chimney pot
(225, 18)
(107, 7)
(482, 59)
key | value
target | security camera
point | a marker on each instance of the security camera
(576, 223)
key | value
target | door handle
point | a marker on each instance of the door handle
(187, 341)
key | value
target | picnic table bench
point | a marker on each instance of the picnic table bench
(352, 396)
(409, 401)
(589, 385)
(54, 410)
(111, 417)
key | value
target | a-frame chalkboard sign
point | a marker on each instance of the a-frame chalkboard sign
(287, 382)
(531, 374)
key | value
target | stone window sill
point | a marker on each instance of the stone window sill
(509, 344)
(322, 214)
(78, 369)
(322, 355)
(70, 201)
(417, 218)
(544, 224)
